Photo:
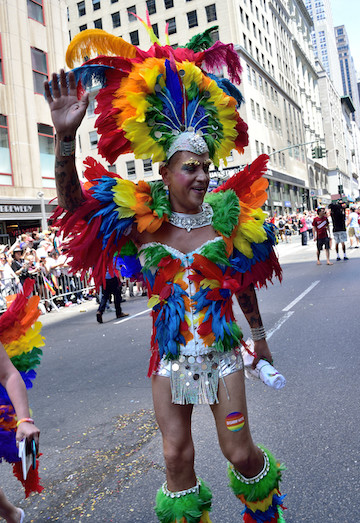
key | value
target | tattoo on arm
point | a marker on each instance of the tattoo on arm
(249, 305)
(67, 184)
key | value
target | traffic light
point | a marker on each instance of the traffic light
(318, 152)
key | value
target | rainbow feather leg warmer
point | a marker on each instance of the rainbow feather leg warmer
(261, 495)
(190, 506)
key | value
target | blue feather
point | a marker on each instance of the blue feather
(228, 88)
(174, 89)
(88, 75)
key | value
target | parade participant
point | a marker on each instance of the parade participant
(321, 234)
(20, 342)
(338, 218)
(354, 229)
(195, 255)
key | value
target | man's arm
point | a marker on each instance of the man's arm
(250, 308)
(67, 113)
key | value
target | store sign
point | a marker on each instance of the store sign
(278, 204)
(287, 204)
(16, 208)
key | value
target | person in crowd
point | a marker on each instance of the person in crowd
(303, 228)
(13, 383)
(19, 265)
(338, 218)
(281, 228)
(309, 220)
(321, 234)
(112, 287)
(9, 281)
(196, 255)
(354, 230)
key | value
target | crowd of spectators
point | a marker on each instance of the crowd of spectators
(39, 256)
(301, 223)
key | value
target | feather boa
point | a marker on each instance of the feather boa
(21, 337)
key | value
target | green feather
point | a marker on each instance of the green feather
(226, 207)
(160, 201)
(129, 249)
(229, 341)
(202, 41)
(27, 360)
(153, 255)
(216, 252)
(260, 490)
(191, 506)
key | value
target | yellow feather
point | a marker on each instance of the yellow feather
(32, 338)
(125, 197)
(95, 42)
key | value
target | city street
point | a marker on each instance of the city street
(102, 457)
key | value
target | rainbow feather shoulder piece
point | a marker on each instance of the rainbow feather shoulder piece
(241, 222)
(21, 337)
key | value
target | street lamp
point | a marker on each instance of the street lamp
(44, 225)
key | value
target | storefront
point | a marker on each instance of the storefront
(18, 216)
(287, 194)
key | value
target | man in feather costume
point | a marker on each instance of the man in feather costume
(195, 250)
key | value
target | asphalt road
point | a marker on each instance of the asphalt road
(101, 448)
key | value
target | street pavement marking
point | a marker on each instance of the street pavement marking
(279, 324)
(300, 297)
(131, 317)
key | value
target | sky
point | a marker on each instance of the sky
(347, 12)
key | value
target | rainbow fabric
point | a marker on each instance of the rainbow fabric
(20, 334)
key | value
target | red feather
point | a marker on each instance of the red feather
(242, 181)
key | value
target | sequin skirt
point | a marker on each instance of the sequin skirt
(195, 379)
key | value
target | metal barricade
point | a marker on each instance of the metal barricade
(52, 290)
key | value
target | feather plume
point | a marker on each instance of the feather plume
(220, 55)
(97, 41)
(242, 181)
(202, 41)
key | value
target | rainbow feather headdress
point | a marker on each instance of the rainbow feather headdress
(157, 102)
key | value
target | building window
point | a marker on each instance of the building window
(96, 4)
(147, 167)
(39, 67)
(36, 10)
(156, 30)
(46, 147)
(5, 158)
(252, 103)
(168, 4)
(134, 37)
(114, 1)
(215, 37)
(98, 23)
(81, 8)
(1, 65)
(116, 19)
(131, 172)
(211, 12)
(192, 19)
(131, 11)
(112, 168)
(93, 137)
(171, 22)
(91, 107)
(83, 27)
(151, 6)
